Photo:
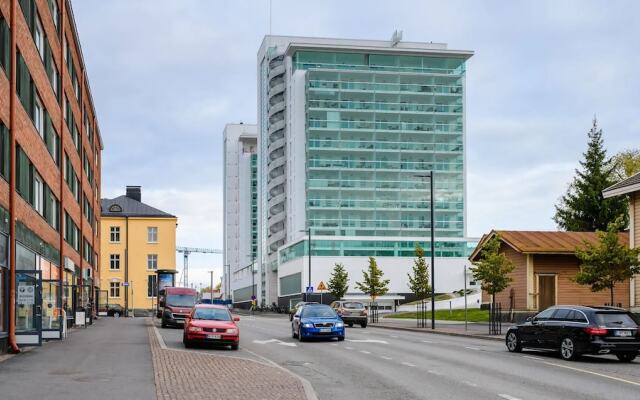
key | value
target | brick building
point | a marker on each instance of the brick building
(50, 174)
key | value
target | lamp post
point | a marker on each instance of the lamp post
(228, 280)
(308, 232)
(253, 278)
(433, 247)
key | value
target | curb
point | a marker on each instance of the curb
(436, 332)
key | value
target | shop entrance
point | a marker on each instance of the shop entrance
(29, 308)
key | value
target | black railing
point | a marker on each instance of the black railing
(495, 319)
(373, 313)
(421, 314)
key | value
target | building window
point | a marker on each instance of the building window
(5, 46)
(55, 14)
(152, 261)
(38, 117)
(115, 234)
(152, 234)
(114, 262)
(38, 37)
(38, 194)
(114, 289)
(152, 285)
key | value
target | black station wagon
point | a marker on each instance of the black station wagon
(577, 330)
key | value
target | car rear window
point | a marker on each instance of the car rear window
(357, 306)
(615, 320)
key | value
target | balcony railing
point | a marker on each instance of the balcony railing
(393, 165)
(386, 87)
(385, 125)
(423, 70)
(321, 183)
(379, 145)
(384, 106)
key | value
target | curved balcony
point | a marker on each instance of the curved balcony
(276, 108)
(276, 126)
(276, 71)
(276, 219)
(277, 89)
(278, 241)
(278, 226)
(276, 200)
(276, 209)
(278, 179)
(276, 144)
(276, 163)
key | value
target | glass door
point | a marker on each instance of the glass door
(29, 308)
(51, 310)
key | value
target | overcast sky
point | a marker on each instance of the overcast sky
(167, 75)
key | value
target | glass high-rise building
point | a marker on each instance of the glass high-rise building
(345, 129)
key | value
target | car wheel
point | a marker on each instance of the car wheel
(300, 338)
(235, 346)
(116, 314)
(293, 333)
(187, 344)
(364, 324)
(568, 349)
(350, 324)
(340, 338)
(163, 324)
(513, 342)
(626, 357)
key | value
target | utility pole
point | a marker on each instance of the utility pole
(308, 232)
(211, 287)
(433, 247)
(228, 280)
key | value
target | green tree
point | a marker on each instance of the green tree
(627, 163)
(372, 283)
(583, 208)
(608, 262)
(419, 280)
(338, 283)
(492, 268)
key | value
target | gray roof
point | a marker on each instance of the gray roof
(629, 185)
(131, 208)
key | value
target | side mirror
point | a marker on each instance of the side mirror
(528, 319)
(236, 318)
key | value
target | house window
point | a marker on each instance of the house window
(53, 7)
(114, 262)
(114, 289)
(38, 117)
(38, 37)
(152, 234)
(115, 234)
(38, 194)
(152, 285)
(152, 261)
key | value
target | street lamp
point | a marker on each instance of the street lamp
(433, 248)
(253, 279)
(228, 283)
(308, 232)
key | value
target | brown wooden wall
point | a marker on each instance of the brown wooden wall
(519, 283)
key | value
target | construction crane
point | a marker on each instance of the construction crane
(188, 250)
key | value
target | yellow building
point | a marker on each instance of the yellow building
(136, 240)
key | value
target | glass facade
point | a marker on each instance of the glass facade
(374, 122)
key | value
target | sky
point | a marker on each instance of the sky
(167, 75)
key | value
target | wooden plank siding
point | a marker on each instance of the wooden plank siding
(569, 292)
(519, 283)
(634, 210)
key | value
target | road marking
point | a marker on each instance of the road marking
(407, 364)
(276, 341)
(365, 352)
(265, 341)
(367, 341)
(470, 384)
(507, 397)
(594, 373)
(532, 357)
(427, 341)
(472, 348)
(334, 344)
(436, 373)
(386, 358)
(348, 348)
(393, 336)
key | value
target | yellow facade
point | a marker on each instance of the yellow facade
(134, 234)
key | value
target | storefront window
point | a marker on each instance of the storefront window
(25, 258)
(50, 310)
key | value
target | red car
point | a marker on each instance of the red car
(211, 324)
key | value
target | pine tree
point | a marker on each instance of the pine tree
(372, 283)
(493, 268)
(338, 283)
(419, 281)
(608, 262)
(583, 207)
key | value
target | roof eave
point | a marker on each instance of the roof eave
(608, 193)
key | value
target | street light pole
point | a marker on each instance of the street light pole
(228, 281)
(211, 287)
(308, 232)
(433, 247)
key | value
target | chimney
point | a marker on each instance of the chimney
(135, 193)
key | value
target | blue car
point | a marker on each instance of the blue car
(316, 321)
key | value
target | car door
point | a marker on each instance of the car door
(553, 328)
(296, 319)
(531, 333)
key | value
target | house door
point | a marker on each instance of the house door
(546, 291)
(29, 308)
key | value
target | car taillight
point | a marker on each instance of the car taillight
(596, 331)
(195, 329)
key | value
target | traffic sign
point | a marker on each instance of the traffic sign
(253, 297)
(125, 284)
(309, 289)
(322, 286)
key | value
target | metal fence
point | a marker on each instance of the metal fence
(373, 313)
(495, 319)
(422, 317)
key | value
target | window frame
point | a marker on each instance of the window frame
(114, 260)
(152, 262)
(151, 235)
(114, 231)
(114, 290)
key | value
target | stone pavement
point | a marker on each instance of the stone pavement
(110, 359)
(452, 328)
(187, 374)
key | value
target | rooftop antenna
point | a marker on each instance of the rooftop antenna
(396, 38)
(270, 16)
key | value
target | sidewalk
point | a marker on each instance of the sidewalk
(109, 360)
(452, 328)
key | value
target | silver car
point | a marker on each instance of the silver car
(351, 312)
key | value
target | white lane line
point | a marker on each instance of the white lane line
(507, 397)
(532, 357)
(367, 341)
(265, 341)
(427, 341)
(436, 373)
(394, 336)
(334, 344)
(407, 364)
(595, 373)
(470, 384)
(386, 358)
(471, 348)
(348, 348)
(365, 352)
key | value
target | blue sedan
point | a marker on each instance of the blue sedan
(316, 320)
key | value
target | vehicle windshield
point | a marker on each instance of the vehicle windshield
(212, 314)
(615, 320)
(318, 312)
(354, 305)
(181, 300)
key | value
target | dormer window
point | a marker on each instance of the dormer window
(115, 208)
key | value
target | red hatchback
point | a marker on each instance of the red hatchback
(211, 324)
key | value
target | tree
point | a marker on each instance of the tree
(419, 281)
(338, 283)
(608, 262)
(492, 268)
(372, 283)
(627, 163)
(583, 208)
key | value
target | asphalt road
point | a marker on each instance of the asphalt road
(375, 363)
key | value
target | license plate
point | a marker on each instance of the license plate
(622, 333)
(325, 329)
(214, 336)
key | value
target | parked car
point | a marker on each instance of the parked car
(351, 312)
(577, 330)
(175, 304)
(211, 324)
(298, 305)
(316, 320)
(115, 310)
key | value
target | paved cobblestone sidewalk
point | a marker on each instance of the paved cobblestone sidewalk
(184, 375)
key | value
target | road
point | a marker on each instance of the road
(375, 363)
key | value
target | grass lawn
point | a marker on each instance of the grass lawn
(473, 315)
(439, 297)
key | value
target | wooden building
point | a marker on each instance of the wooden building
(545, 266)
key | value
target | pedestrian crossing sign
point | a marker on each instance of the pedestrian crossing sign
(321, 286)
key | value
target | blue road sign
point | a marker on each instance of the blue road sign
(309, 289)
(125, 284)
